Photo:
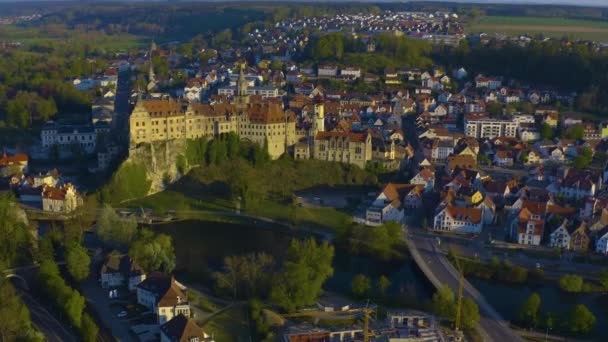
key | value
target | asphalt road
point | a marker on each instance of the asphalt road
(435, 265)
(48, 325)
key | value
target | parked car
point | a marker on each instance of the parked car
(122, 314)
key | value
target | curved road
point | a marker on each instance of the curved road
(437, 268)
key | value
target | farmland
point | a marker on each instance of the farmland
(551, 27)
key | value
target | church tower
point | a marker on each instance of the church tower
(242, 96)
(319, 112)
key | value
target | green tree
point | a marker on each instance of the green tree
(546, 131)
(74, 307)
(88, 329)
(571, 283)
(603, 275)
(580, 320)
(444, 303)
(14, 236)
(584, 159)
(15, 321)
(495, 109)
(306, 268)
(115, 230)
(383, 284)
(360, 285)
(153, 252)
(78, 262)
(470, 314)
(528, 313)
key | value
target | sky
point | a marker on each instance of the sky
(596, 3)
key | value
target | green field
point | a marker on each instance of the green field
(31, 36)
(551, 27)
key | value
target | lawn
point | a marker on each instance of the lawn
(170, 200)
(230, 326)
(552, 27)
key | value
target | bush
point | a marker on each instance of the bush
(571, 283)
(360, 285)
(88, 328)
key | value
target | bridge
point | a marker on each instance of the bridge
(438, 270)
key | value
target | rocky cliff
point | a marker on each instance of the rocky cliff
(160, 159)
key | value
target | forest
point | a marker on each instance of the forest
(576, 67)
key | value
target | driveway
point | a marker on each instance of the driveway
(98, 299)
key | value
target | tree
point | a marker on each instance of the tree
(603, 275)
(15, 321)
(88, 328)
(495, 109)
(571, 283)
(383, 284)
(246, 276)
(78, 262)
(584, 158)
(444, 303)
(546, 131)
(360, 285)
(528, 313)
(470, 314)
(153, 252)
(580, 320)
(305, 269)
(74, 307)
(14, 236)
(114, 229)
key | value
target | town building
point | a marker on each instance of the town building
(162, 295)
(482, 126)
(183, 329)
(343, 147)
(387, 206)
(11, 164)
(67, 136)
(119, 271)
(63, 199)
(458, 219)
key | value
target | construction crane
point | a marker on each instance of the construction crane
(366, 316)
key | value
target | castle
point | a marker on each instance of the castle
(261, 121)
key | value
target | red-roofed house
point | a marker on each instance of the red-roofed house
(458, 219)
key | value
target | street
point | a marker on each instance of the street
(435, 265)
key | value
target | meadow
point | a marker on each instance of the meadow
(550, 27)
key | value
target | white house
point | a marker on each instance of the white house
(601, 245)
(458, 219)
(560, 237)
(162, 295)
(426, 178)
(387, 205)
(120, 271)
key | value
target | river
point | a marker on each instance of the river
(200, 247)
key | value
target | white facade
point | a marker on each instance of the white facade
(560, 238)
(485, 127)
(601, 245)
(262, 91)
(460, 220)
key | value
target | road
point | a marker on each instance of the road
(44, 321)
(437, 268)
